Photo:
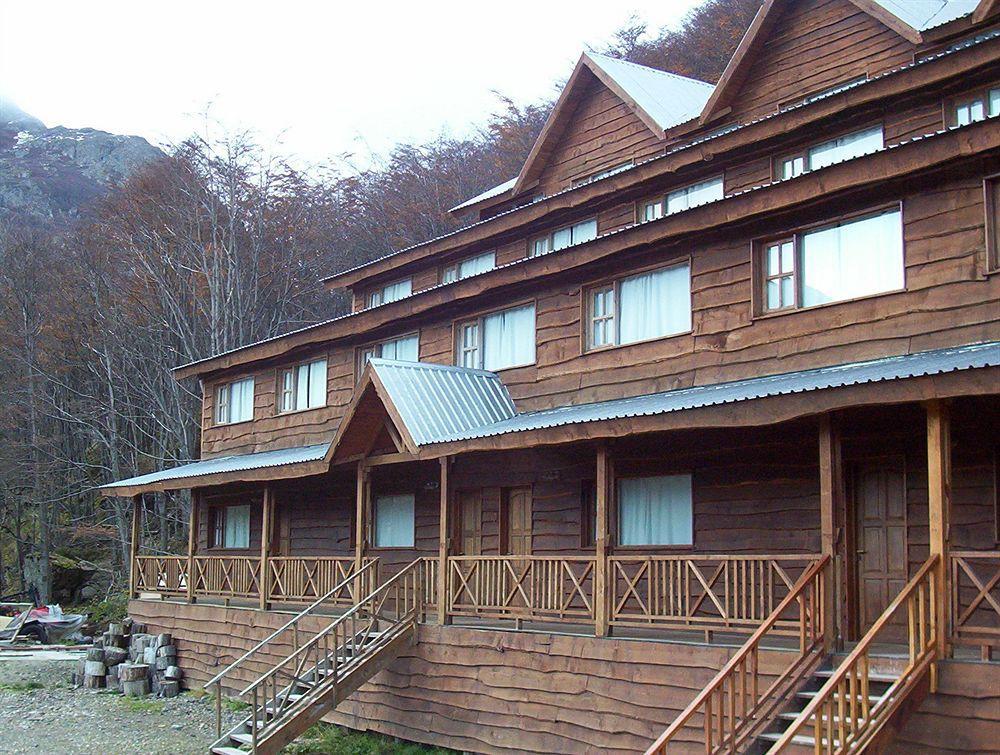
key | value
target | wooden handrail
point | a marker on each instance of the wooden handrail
(734, 693)
(843, 718)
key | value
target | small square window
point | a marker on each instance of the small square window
(394, 521)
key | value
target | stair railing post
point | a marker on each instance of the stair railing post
(218, 709)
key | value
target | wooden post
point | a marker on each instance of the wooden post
(267, 518)
(444, 542)
(601, 544)
(134, 545)
(192, 543)
(830, 498)
(361, 515)
(939, 511)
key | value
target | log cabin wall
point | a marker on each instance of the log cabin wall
(315, 517)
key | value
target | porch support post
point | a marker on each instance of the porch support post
(601, 544)
(444, 542)
(192, 543)
(134, 545)
(939, 511)
(267, 518)
(830, 498)
(361, 514)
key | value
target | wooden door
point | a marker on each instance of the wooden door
(880, 514)
(470, 522)
(517, 520)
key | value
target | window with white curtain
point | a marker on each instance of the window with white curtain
(468, 267)
(394, 521)
(640, 307)
(498, 340)
(847, 260)
(403, 349)
(234, 402)
(975, 107)
(231, 527)
(390, 292)
(829, 152)
(696, 194)
(303, 386)
(572, 234)
(655, 510)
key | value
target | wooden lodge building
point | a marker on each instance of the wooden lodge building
(686, 442)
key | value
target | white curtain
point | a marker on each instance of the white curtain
(401, 349)
(845, 147)
(394, 522)
(854, 259)
(302, 386)
(994, 102)
(317, 383)
(655, 510)
(237, 532)
(562, 238)
(655, 304)
(396, 291)
(694, 195)
(585, 231)
(481, 263)
(241, 400)
(509, 338)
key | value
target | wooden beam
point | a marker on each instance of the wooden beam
(361, 514)
(134, 545)
(831, 486)
(266, 523)
(601, 543)
(192, 543)
(444, 542)
(939, 510)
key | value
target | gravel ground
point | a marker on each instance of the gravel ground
(59, 719)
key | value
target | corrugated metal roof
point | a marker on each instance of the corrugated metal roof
(224, 464)
(436, 401)
(496, 191)
(926, 14)
(876, 370)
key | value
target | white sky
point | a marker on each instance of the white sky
(322, 77)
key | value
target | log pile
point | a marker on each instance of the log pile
(136, 664)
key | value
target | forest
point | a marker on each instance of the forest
(218, 244)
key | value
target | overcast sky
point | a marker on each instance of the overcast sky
(326, 77)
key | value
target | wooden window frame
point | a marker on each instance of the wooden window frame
(803, 152)
(982, 94)
(614, 515)
(216, 534)
(758, 296)
(459, 325)
(662, 199)
(359, 351)
(380, 292)
(227, 386)
(279, 386)
(373, 526)
(456, 265)
(991, 205)
(794, 274)
(548, 237)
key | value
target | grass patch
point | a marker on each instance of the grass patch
(327, 739)
(20, 686)
(113, 609)
(235, 705)
(141, 705)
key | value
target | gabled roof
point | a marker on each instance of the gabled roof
(496, 191)
(927, 14)
(661, 100)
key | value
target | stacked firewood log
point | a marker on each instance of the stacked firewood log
(127, 659)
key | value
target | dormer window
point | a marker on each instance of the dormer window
(577, 233)
(975, 107)
(684, 198)
(391, 292)
(836, 150)
(470, 266)
(234, 402)
(302, 387)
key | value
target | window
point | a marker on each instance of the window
(394, 523)
(481, 263)
(234, 402)
(640, 308)
(231, 527)
(975, 107)
(683, 199)
(655, 511)
(391, 292)
(604, 173)
(302, 387)
(992, 197)
(498, 340)
(402, 349)
(588, 513)
(834, 151)
(564, 237)
(848, 260)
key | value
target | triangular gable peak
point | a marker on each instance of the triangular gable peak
(797, 48)
(652, 101)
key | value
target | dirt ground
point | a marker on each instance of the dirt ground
(41, 712)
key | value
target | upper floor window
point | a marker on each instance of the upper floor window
(585, 230)
(640, 307)
(394, 521)
(390, 292)
(480, 263)
(834, 151)
(231, 526)
(683, 199)
(655, 511)
(234, 402)
(499, 340)
(847, 260)
(302, 386)
(604, 173)
(992, 196)
(975, 107)
(403, 349)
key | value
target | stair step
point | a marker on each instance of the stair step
(243, 739)
(810, 694)
(792, 715)
(798, 739)
(826, 673)
(228, 751)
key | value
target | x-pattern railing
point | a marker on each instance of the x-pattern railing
(308, 577)
(162, 574)
(975, 597)
(229, 576)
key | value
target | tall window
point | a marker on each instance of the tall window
(402, 349)
(480, 263)
(303, 386)
(394, 521)
(640, 307)
(833, 151)
(499, 340)
(975, 107)
(564, 237)
(655, 511)
(231, 527)
(683, 199)
(234, 402)
(391, 292)
(847, 260)
(992, 196)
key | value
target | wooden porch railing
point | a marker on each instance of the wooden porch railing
(227, 576)
(842, 717)
(702, 592)
(542, 588)
(975, 599)
(305, 578)
(741, 698)
(167, 575)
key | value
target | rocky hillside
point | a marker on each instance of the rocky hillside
(51, 173)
